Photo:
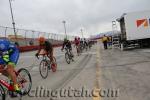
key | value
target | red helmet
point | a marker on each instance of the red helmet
(41, 39)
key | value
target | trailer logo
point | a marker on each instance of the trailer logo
(142, 22)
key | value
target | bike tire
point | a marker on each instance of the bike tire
(67, 58)
(2, 93)
(21, 74)
(54, 68)
(43, 65)
(54, 59)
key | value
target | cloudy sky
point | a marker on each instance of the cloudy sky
(93, 16)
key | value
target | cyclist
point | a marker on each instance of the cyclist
(67, 44)
(89, 44)
(77, 43)
(85, 43)
(9, 55)
(47, 48)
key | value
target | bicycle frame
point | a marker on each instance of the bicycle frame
(44, 56)
(7, 85)
(67, 51)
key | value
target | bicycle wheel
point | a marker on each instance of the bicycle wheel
(43, 69)
(24, 80)
(54, 65)
(67, 58)
(2, 93)
(54, 59)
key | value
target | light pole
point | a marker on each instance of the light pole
(5, 32)
(13, 22)
(64, 22)
(82, 32)
(26, 37)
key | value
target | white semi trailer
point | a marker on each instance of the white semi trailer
(135, 29)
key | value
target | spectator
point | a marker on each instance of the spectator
(31, 42)
(110, 41)
(17, 44)
(105, 40)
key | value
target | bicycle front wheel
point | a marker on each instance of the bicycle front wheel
(67, 58)
(24, 80)
(54, 65)
(44, 69)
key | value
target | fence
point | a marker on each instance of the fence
(29, 37)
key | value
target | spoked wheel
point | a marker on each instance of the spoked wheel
(67, 58)
(43, 68)
(54, 65)
(2, 93)
(78, 52)
(24, 80)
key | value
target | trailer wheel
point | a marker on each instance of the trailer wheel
(122, 46)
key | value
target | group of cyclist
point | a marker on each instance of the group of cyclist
(9, 55)
(82, 44)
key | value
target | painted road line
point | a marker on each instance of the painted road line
(97, 83)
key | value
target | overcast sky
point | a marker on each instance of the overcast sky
(93, 16)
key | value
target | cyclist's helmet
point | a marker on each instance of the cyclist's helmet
(65, 39)
(75, 38)
(41, 40)
(78, 38)
(4, 44)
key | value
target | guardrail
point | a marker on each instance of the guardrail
(28, 37)
(32, 48)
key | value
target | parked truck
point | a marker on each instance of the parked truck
(135, 29)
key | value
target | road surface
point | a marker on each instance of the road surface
(95, 75)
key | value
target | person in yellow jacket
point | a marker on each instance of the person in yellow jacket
(105, 40)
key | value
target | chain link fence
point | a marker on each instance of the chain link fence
(29, 37)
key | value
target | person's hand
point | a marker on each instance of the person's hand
(37, 55)
(1, 53)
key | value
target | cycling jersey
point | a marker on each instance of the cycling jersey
(46, 46)
(67, 44)
(77, 42)
(9, 53)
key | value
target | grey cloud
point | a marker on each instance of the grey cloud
(46, 15)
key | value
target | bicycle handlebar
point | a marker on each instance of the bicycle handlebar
(41, 55)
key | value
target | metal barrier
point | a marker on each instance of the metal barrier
(29, 37)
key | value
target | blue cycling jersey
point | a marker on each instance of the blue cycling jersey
(7, 48)
(5, 45)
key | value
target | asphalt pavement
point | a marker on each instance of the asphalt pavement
(96, 74)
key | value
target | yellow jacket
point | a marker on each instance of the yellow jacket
(105, 38)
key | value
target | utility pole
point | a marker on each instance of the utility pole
(64, 22)
(82, 32)
(13, 22)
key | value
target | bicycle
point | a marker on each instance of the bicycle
(7, 87)
(68, 56)
(78, 50)
(46, 65)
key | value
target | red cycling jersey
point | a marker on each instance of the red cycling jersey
(77, 41)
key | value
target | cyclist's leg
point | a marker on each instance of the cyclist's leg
(11, 67)
(11, 73)
(50, 55)
(77, 48)
(70, 50)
